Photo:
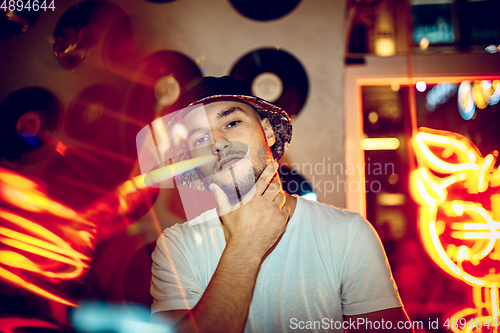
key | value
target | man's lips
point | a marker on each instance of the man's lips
(228, 162)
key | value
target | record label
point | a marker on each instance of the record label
(167, 90)
(267, 86)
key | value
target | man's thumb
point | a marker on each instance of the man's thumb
(221, 198)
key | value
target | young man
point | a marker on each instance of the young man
(266, 261)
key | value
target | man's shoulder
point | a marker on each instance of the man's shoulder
(320, 211)
(329, 221)
(195, 227)
(199, 242)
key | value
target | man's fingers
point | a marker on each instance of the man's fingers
(266, 177)
(280, 200)
(249, 196)
(286, 211)
(274, 188)
(221, 198)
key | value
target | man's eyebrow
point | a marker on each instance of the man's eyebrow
(228, 112)
(219, 115)
(194, 130)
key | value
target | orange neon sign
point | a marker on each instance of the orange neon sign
(42, 242)
(459, 195)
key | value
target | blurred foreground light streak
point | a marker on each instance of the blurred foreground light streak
(11, 325)
(458, 191)
(168, 172)
(102, 317)
(42, 242)
(114, 212)
(27, 195)
(46, 247)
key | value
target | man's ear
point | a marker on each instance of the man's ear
(268, 131)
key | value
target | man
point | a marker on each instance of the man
(266, 261)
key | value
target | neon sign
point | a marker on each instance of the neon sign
(459, 195)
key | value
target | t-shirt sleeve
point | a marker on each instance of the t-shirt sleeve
(367, 282)
(174, 285)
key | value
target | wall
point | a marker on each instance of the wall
(216, 35)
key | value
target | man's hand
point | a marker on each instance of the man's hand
(257, 222)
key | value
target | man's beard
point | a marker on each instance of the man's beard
(238, 186)
(241, 185)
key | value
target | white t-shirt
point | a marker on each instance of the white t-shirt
(329, 263)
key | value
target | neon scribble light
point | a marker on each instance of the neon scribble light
(458, 191)
(42, 242)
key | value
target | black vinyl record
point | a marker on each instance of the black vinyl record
(276, 76)
(93, 117)
(264, 10)
(365, 3)
(137, 276)
(120, 46)
(161, 78)
(29, 117)
(96, 123)
(16, 19)
(293, 182)
(84, 26)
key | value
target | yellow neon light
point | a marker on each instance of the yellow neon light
(25, 194)
(380, 143)
(457, 226)
(27, 246)
(16, 280)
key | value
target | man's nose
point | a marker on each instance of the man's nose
(220, 145)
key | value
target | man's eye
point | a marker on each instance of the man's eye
(200, 141)
(233, 123)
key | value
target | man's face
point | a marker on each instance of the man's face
(234, 133)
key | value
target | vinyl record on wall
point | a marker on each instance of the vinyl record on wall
(93, 117)
(29, 118)
(81, 29)
(16, 19)
(121, 44)
(162, 77)
(276, 76)
(293, 182)
(365, 3)
(264, 10)
(137, 276)
(97, 125)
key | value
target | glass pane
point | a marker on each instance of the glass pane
(434, 22)
(479, 22)
(438, 107)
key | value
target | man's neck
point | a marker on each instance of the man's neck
(291, 201)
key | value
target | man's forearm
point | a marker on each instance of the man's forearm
(225, 303)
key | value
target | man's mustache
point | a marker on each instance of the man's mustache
(237, 150)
